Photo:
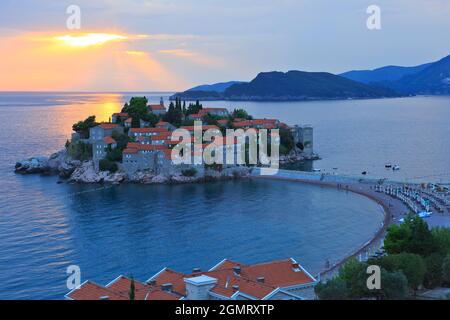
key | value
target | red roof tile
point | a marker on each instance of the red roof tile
(156, 107)
(109, 140)
(204, 127)
(93, 291)
(130, 151)
(206, 110)
(148, 130)
(121, 114)
(108, 126)
(276, 274)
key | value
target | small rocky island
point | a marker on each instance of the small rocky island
(136, 145)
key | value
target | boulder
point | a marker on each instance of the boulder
(32, 165)
(86, 173)
(58, 163)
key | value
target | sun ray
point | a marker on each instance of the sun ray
(89, 39)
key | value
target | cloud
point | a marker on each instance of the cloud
(198, 58)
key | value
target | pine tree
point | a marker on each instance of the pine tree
(131, 293)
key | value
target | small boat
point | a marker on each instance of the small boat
(396, 167)
(388, 165)
(364, 172)
(317, 170)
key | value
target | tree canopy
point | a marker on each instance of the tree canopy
(412, 236)
(82, 127)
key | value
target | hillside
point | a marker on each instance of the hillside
(217, 87)
(300, 85)
(435, 79)
(293, 85)
(389, 73)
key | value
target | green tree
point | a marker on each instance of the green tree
(174, 114)
(82, 127)
(189, 172)
(106, 165)
(239, 113)
(114, 155)
(121, 140)
(194, 108)
(353, 273)
(210, 119)
(412, 236)
(394, 285)
(132, 292)
(446, 269)
(434, 273)
(286, 140)
(411, 265)
(441, 238)
(137, 108)
(151, 118)
(79, 150)
(333, 289)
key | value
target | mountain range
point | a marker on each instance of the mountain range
(390, 81)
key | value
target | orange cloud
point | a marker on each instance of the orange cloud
(39, 62)
(192, 56)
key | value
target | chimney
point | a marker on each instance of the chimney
(166, 287)
(196, 270)
(237, 269)
(104, 298)
(151, 282)
(260, 279)
(295, 265)
(235, 288)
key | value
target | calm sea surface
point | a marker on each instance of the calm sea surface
(133, 229)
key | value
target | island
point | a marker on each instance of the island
(136, 145)
(289, 86)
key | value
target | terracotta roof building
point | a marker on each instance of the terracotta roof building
(228, 280)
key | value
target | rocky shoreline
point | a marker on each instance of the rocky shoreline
(75, 171)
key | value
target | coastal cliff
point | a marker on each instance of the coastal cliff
(64, 166)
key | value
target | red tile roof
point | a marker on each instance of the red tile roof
(148, 130)
(256, 281)
(160, 137)
(92, 291)
(206, 110)
(156, 107)
(249, 123)
(109, 140)
(119, 290)
(196, 116)
(108, 126)
(204, 127)
(173, 277)
(130, 151)
(279, 273)
(121, 114)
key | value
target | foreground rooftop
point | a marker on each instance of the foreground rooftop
(228, 280)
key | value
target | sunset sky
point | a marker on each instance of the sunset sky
(143, 45)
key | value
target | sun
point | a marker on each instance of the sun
(89, 39)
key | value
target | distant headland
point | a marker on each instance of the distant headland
(386, 82)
